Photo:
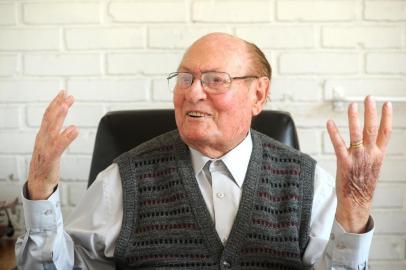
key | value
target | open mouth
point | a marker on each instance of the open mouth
(197, 114)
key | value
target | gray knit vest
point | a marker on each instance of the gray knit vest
(166, 224)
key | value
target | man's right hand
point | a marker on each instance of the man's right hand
(50, 143)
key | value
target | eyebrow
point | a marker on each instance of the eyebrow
(185, 69)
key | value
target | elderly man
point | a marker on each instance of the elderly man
(207, 195)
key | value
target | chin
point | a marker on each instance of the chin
(194, 137)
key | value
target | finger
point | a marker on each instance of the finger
(370, 121)
(66, 137)
(353, 122)
(385, 127)
(60, 114)
(48, 117)
(336, 139)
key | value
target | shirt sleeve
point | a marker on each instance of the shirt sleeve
(330, 247)
(86, 241)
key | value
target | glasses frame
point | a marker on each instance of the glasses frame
(173, 75)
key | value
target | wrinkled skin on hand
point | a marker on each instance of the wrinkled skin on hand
(359, 165)
(50, 143)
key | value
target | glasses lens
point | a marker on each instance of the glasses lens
(216, 81)
(180, 80)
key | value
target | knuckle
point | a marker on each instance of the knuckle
(372, 130)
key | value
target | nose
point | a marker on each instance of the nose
(195, 92)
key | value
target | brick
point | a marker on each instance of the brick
(28, 90)
(397, 143)
(276, 37)
(389, 196)
(364, 87)
(387, 248)
(8, 65)
(8, 167)
(82, 115)
(75, 168)
(231, 11)
(179, 37)
(398, 110)
(23, 165)
(311, 115)
(84, 143)
(29, 39)
(143, 63)
(295, 90)
(9, 191)
(108, 90)
(363, 36)
(389, 63)
(104, 38)
(61, 13)
(161, 91)
(385, 10)
(305, 10)
(309, 140)
(62, 64)
(16, 142)
(318, 63)
(9, 117)
(7, 14)
(389, 221)
(76, 192)
(148, 11)
(393, 170)
(329, 164)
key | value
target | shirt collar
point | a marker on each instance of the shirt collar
(235, 160)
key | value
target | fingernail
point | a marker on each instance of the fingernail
(63, 93)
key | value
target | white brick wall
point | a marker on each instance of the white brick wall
(7, 14)
(8, 64)
(29, 39)
(305, 10)
(114, 55)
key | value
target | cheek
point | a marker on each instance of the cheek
(234, 112)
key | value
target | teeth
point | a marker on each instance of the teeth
(196, 114)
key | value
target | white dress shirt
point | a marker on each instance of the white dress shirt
(88, 239)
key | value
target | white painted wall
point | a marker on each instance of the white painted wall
(114, 55)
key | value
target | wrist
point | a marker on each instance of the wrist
(352, 221)
(39, 192)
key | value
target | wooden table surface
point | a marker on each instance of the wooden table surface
(7, 255)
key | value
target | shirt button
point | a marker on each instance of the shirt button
(48, 212)
(220, 195)
(226, 264)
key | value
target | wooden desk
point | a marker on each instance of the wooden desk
(7, 255)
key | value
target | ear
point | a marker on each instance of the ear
(261, 94)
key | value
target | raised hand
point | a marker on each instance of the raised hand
(358, 165)
(50, 143)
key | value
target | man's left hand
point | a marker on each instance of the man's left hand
(358, 165)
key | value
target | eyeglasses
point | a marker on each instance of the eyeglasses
(212, 81)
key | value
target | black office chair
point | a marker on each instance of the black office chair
(119, 131)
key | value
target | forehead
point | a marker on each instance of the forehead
(218, 53)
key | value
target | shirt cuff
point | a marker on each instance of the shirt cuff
(350, 249)
(42, 215)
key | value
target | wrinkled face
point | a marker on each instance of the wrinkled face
(215, 123)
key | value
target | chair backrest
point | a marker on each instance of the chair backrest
(120, 131)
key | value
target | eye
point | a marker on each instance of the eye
(184, 79)
(215, 79)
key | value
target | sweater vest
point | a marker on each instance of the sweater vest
(166, 223)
